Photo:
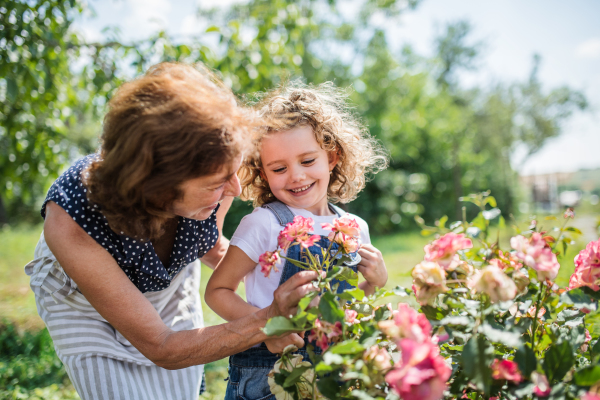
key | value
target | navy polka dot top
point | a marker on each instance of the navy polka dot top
(137, 259)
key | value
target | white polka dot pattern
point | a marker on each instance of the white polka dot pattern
(138, 259)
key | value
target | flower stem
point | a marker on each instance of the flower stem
(535, 316)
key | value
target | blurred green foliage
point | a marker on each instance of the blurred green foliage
(444, 140)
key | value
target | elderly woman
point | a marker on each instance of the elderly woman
(116, 272)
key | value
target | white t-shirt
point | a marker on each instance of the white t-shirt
(258, 233)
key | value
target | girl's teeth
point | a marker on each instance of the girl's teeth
(301, 189)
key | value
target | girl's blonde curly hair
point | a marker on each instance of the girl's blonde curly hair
(325, 109)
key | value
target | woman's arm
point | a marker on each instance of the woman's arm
(221, 296)
(110, 292)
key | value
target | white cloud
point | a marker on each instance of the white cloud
(146, 17)
(589, 49)
(218, 3)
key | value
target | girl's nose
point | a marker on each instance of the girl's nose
(233, 187)
(298, 175)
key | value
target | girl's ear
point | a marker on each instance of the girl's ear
(333, 157)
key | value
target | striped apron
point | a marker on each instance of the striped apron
(100, 362)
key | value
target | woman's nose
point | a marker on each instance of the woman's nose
(233, 187)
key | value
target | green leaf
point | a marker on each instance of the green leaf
(305, 301)
(508, 338)
(330, 308)
(295, 376)
(329, 387)
(579, 299)
(558, 360)
(346, 274)
(526, 360)
(362, 308)
(213, 29)
(432, 313)
(427, 232)
(501, 222)
(477, 357)
(587, 376)
(491, 200)
(442, 221)
(573, 229)
(352, 294)
(456, 320)
(347, 347)
(278, 326)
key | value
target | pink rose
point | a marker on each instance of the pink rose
(442, 250)
(506, 369)
(324, 333)
(307, 241)
(380, 358)
(540, 312)
(350, 316)
(493, 282)
(536, 254)
(407, 323)
(268, 261)
(429, 280)
(587, 267)
(590, 396)
(506, 260)
(345, 225)
(299, 228)
(422, 372)
(349, 244)
(542, 387)
(282, 240)
(588, 339)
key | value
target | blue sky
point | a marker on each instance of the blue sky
(565, 34)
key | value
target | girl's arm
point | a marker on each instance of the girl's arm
(221, 296)
(111, 293)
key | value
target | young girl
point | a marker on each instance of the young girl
(313, 152)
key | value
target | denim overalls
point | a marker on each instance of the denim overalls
(248, 370)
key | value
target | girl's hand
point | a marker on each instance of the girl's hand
(277, 344)
(372, 267)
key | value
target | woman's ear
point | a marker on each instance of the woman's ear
(333, 157)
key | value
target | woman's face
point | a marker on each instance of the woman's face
(201, 195)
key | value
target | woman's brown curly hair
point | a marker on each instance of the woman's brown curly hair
(175, 123)
(325, 109)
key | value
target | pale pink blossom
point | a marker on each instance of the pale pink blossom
(569, 213)
(349, 244)
(346, 225)
(350, 316)
(379, 357)
(587, 267)
(429, 280)
(407, 323)
(586, 343)
(590, 396)
(506, 369)
(442, 250)
(306, 241)
(493, 282)
(324, 333)
(540, 313)
(268, 261)
(542, 387)
(536, 254)
(299, 228)
(421, 374)
(521, 279)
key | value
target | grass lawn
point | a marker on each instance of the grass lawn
(401, 252)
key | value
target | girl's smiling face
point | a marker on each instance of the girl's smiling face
(297, 169)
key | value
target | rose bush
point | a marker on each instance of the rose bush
(491, 322)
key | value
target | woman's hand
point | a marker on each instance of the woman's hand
(287, 295)
(372, 267)
(277, 344)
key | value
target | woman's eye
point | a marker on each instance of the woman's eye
(308, 162)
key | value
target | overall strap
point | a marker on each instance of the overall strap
(283, 214)
(336, 210)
